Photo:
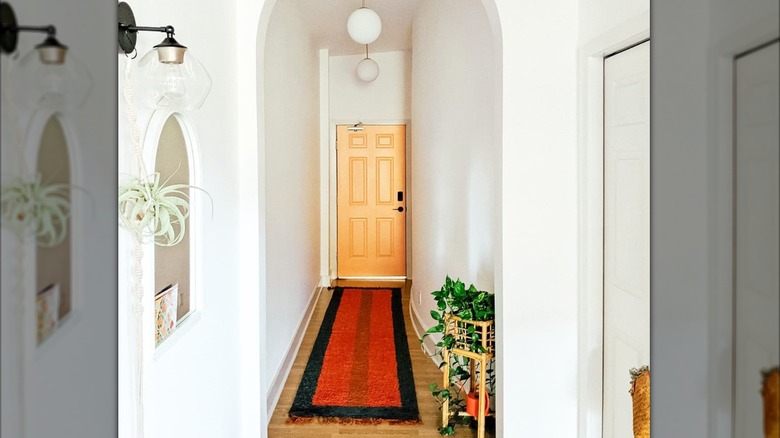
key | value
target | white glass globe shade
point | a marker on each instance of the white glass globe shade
(367, 70)
(364, 26)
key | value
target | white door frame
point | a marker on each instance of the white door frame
(590, 281)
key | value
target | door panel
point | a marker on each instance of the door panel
(358, 230)
(757, 220)
(626, 231)
(371, 231)
(358, 180)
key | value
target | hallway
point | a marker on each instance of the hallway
(425, 373)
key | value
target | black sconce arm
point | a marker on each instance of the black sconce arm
(9, 30)
(128, 31)
(133, 28)
(50, 29)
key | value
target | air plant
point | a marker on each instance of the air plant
(155, 211)
(36, 208)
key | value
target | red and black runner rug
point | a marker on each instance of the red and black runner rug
(359, 370)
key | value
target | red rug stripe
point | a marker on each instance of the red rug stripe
(357, 386)
(334, 381)
(382, 384)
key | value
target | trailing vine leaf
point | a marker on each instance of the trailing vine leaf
(36, 208)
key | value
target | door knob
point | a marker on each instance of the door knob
(399, 209)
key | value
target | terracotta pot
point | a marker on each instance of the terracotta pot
(472, 403)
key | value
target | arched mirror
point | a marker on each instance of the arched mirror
(172, 263)
(53, 263)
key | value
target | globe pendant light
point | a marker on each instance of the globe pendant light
(364, 25)
(48, 77)
(367, 68)
(169, 76)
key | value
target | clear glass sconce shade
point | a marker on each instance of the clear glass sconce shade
(170, 85)
(50, 78)
(367, 70)
(364, 26)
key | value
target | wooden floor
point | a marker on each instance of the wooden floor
(425, 373)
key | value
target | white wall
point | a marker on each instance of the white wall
(386, 98)
(538, 325)
(250, 37)
(455, 154)
(599, 16)
(292, 178)
(202, 366)
(70, 381)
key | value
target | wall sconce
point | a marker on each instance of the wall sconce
(367, 68)
(47, 77)
(168, 77)
(364, 25)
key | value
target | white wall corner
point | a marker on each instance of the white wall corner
(324, 113)
(429, 345)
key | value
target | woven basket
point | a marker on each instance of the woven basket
(770, 391)
(640, 395)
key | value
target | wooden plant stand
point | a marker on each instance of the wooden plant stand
(484, 332)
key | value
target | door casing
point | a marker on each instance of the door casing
(626, 143)
(590, 218)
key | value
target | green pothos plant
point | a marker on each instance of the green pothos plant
(36, 208)
(153, 210)
(455, 298)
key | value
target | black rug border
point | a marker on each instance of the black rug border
(408, 411)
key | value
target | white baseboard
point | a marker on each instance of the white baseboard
(325, 281)
(277, 384)
(429, 345)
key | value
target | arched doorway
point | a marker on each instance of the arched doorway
(289, 120)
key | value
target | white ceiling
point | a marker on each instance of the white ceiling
(327, 22)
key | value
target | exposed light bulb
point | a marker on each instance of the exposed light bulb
(53, 87)
(173, 83)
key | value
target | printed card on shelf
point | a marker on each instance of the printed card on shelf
(47, 310)
(165, 305)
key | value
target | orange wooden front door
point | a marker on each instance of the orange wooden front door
(371, 198)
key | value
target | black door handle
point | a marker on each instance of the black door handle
(399, 209)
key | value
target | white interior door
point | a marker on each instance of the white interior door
(757, 252)
(626, 231)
